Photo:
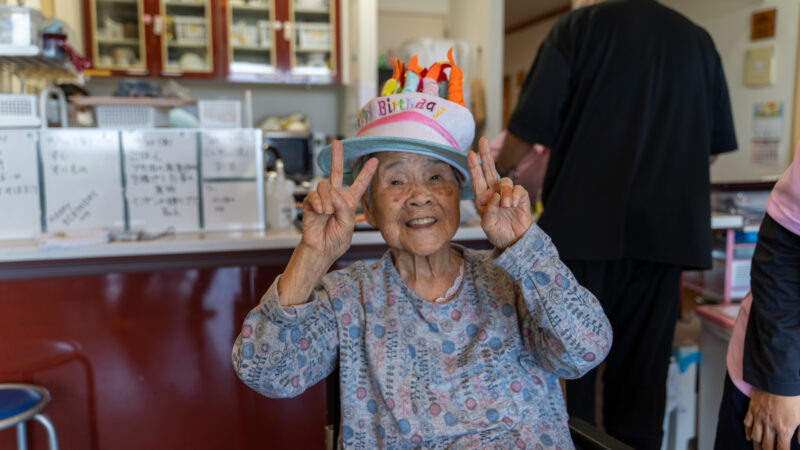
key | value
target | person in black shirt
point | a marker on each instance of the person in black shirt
(631, 98)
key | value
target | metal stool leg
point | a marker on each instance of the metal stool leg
(52, 439)
(22, 438)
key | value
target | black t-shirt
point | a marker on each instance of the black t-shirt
(632, 100)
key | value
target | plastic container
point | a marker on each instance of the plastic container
(314, 36)
(190, 29)
(264, 35)
(220, 113)
(19, 27)
(279, 199)
(17, 110)
(311, 4)
(131, 117)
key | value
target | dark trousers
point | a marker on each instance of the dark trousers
(730, 425)
(641, 301)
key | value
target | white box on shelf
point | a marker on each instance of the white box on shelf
(311, 4)
(131, 117)
(220, 113)
(313, 36)
(264, 34)
(190, 29)
(18, 110)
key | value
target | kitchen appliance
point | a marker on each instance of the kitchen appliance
(297, 150)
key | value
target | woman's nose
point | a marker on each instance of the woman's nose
(419, 195)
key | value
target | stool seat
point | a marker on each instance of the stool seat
(20, 402)
(17, 401)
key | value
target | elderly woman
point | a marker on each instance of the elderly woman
(439, 346)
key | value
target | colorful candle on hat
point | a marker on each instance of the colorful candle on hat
(430, 84)
(392, 84)
(412, 75)
(455, 92)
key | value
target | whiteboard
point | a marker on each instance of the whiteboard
(232, 205)
(161, 180)
(20, 207)
(230, 153)
(82, 179)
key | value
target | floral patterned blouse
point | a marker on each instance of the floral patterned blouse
(479, 371)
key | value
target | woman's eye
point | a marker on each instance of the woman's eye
(436, 177)
(396, 183)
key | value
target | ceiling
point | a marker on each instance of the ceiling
(518, 12)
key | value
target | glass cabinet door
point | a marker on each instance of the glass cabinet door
(187, 40)
(118, 37)
(314, 41)
(251, 45)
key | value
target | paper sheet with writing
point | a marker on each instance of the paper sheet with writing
(161, 180)
(19, 185)
(82, 179)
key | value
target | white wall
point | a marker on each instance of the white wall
(729, 25)
(362, 61)
(397, 27)
(71, 13)
(480, 22)
(400, 21)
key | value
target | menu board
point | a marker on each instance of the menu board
(20, 202)
(82, 179)
(161, 180)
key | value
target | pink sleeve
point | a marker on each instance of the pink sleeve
(784, 202)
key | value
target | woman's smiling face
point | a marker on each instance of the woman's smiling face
(414, 202)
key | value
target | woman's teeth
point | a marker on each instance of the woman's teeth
(422, 221)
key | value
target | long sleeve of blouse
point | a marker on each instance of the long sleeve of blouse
(563, 325)
(481, 368)
(281, 351)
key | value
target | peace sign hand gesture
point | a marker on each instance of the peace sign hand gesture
(505, 209)
(329, 212)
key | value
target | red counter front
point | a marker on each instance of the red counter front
(151, 342)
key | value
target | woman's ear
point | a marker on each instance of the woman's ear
(368, 214)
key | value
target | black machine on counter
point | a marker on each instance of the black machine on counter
(297, 150)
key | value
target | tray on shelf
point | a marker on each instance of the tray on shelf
(99, 100)
(29, 61)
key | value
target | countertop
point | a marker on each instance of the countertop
(23, 259)
(183, 243)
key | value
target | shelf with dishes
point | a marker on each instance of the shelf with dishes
(237, 6)
(312, 11)
(295, 39)
(252, 48)
(188, 4)
(118, 41)
(186, 44)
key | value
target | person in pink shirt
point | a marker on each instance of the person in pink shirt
(761, 400)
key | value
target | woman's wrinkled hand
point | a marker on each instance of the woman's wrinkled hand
(772, 420)
(505, 208)
(329, 211)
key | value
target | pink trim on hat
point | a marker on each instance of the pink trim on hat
(414, 117)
